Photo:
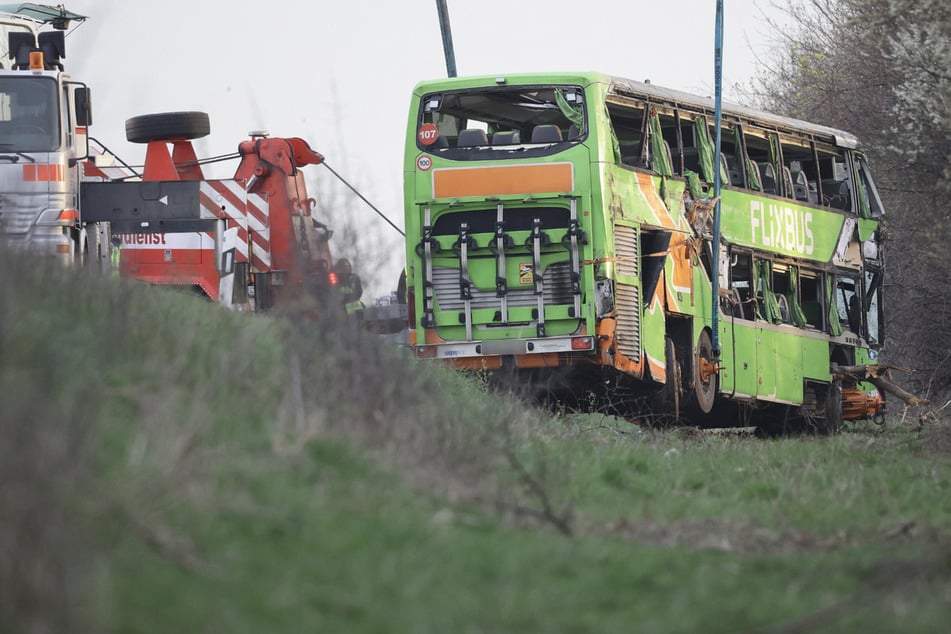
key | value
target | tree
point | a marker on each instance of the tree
(882, 70)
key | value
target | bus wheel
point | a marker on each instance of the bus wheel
(705, 374)
(832, 422)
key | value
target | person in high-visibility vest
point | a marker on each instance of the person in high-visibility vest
(349, 287)
(115, 253)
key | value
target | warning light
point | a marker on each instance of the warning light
(36, 60)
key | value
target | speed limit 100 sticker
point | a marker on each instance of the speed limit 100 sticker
(424, 163)
(428, 133)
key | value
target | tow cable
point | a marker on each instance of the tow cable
(363, 198)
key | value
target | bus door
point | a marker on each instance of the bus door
(787, 336)
(740, 355)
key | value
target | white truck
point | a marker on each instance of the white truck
(44, 142)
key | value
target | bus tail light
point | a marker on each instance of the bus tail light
(582, 343)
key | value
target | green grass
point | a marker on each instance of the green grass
(200, 471)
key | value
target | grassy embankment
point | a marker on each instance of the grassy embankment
(166, 466)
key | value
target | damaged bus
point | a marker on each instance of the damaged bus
(560, 227)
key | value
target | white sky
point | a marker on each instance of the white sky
(339, 73)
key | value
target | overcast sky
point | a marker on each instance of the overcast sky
(340, 73)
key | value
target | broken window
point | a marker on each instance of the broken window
(503, 121)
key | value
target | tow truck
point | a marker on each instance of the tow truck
(247, 242)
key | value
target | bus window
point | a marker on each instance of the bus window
(629, 124)
(870, 205)
(848, 304)
(497, 122)
(741, 285)
(761, 153)
(768, 306)
(694, 134)
(834, 179)
(731, 157)
(800, 171)
(873, 303)
(810, 298)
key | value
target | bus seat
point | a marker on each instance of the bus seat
(573, 132)
(800, 186)
(472, 137)
(546, 134)
(754, 167)
(789, 190)
(690, 158)
(725, 169)
(783, 308)
(836, 194)
(733, 167)
(509, 137)
(767, 176)
(812, 309)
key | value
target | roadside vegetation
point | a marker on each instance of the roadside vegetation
(169, 466)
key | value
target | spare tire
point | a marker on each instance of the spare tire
(167, 126)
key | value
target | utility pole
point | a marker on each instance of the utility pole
(718, 93)
(446, 37)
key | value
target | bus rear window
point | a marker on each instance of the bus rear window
(473, 123)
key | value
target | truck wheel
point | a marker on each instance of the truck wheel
(167, 126)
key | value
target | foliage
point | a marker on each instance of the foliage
(878, 68)
(168, 466)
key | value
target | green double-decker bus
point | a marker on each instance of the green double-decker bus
(561, 225)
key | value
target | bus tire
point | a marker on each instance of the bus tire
(704, 383)
(167, 126)
(831, 423)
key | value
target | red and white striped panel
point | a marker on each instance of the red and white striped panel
(248, 212)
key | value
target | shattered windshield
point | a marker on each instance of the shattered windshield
(29, 114)
(528, 120)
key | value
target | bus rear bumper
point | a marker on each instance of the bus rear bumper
(506, 347)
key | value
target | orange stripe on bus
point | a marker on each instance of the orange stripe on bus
(646, 185)
(498, 181)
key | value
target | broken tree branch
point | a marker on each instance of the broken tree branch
(876, 375)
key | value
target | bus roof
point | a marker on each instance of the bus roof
(631, 88)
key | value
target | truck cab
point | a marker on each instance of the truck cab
(44, 116)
